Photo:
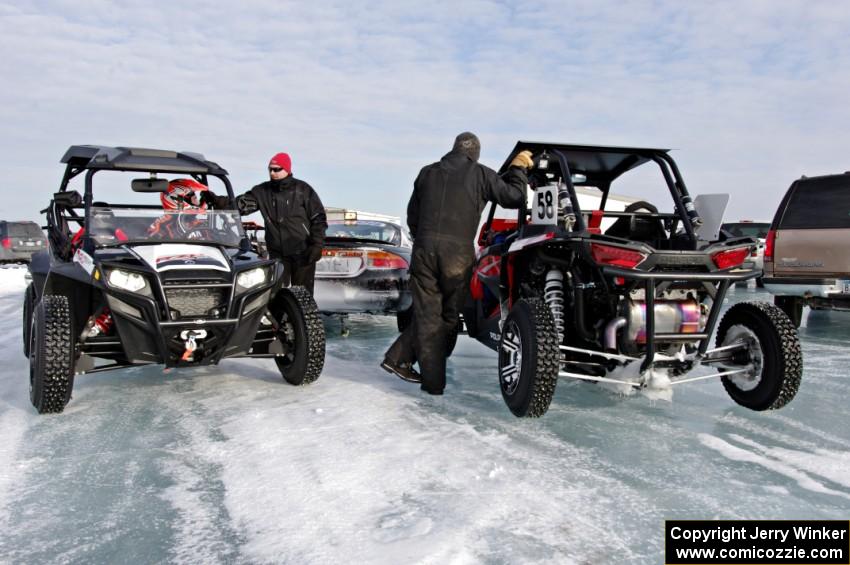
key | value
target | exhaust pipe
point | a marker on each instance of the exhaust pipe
(611, 330)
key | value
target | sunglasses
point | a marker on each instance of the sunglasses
(275, 169)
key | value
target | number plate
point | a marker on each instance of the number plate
(339, 265)
(544, 211)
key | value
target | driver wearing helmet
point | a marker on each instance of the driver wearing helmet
(181, 200)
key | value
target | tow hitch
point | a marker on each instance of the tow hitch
(190, 338)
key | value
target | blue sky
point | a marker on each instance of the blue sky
(749, 94)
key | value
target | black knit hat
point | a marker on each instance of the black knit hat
(468, 144)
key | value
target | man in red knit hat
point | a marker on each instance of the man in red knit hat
(294, 218)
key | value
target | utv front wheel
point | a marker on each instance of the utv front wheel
(302, 334)
(51, 354)
(29, 304)
(771, 355)
(528, 358)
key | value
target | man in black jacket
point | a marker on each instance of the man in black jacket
(294, 219)
(443, 213)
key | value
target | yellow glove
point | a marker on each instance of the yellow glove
(523, 160)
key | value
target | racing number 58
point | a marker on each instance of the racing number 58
(545, 206)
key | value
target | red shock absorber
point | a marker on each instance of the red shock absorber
(102, 324)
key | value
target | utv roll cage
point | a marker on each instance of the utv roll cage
(599, 166)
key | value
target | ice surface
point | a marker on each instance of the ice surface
(230, 464)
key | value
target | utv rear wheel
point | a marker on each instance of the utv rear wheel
(772, 355)
(528, 358)
(302, 334)
(26, 326)
(51, 354)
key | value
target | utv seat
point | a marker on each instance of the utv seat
(637, 228)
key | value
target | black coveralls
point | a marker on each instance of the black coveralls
(295, 224)
(443, 214)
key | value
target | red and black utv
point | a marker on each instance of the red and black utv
(574, 286)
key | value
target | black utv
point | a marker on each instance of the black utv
(583, 283)
(133, 284)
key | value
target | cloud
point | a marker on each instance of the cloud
(750, 94)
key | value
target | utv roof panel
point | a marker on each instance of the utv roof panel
(597, 162)
(139, 159)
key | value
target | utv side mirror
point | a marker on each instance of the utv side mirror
(149, 185)
(68, 199)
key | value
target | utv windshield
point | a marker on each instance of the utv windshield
(115, 226)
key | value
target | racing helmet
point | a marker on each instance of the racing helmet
(184, 194)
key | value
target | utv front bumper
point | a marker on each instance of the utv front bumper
(221, 320)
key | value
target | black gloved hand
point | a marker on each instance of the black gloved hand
(209, 198)
(312, 254)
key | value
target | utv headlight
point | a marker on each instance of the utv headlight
(250, 279)
(126, 280)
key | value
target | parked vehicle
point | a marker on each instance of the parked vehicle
(114, 292)
(364, 264)
(807, 255)
(757, 231)
(19, 240)
(559, 297)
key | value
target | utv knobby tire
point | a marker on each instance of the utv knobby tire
(51, 354)
(530, 396)
(782, 359)
(295, 305)
(26, 325)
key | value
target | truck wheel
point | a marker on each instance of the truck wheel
(528, 358)
(302, 334)
(26, 325)
(51, 354)
(792, 306)
(772, 356)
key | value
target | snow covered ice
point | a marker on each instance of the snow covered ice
(230, 464)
